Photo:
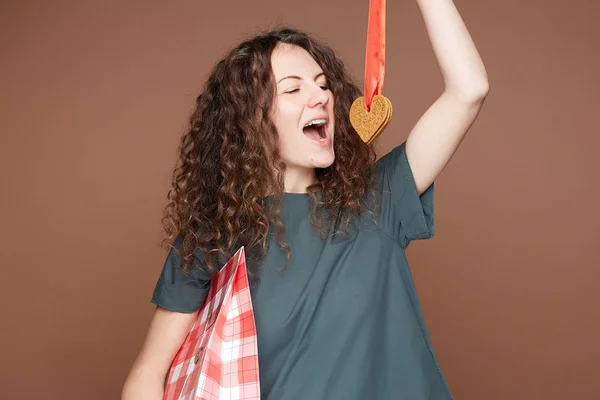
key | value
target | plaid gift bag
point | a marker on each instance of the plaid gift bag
(219, 357)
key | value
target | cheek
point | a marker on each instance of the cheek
(287, 121)
(286, 140)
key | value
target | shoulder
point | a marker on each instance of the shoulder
(404, 214)
(177, 290)
(392, 164)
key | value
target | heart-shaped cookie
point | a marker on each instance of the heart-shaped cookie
(370, 124)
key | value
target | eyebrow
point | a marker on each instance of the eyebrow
(297, 77)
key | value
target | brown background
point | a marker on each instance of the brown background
(94, 97)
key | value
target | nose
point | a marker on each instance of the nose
(318, 97)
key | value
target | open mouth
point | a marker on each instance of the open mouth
(315, 130)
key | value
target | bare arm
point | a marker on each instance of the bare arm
(167, 331)
(437, 135)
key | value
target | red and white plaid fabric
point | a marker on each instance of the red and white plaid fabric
(219, 356)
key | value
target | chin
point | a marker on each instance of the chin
(323, 160)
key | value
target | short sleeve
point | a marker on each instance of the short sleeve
(406, 215)
(179, 291)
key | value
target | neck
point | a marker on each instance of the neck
(298, 179)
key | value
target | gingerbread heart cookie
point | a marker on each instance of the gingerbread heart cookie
(370, 123)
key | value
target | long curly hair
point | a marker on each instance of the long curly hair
(227, 188)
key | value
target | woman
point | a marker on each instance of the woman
(271, 162)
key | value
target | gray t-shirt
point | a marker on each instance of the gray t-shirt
(343, 320)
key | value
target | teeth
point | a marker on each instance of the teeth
(316, 122)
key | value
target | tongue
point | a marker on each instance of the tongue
(312, 133)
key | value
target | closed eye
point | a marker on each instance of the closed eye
(323, 87)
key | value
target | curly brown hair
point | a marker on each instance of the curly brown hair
(227, 188)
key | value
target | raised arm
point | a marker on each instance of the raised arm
(438, 133)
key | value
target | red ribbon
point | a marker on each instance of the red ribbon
(375, 57)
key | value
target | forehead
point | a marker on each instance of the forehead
(293, 60)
